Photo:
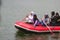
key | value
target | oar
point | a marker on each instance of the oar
(48, 27)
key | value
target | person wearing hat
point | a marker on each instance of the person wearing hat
(45, 20)
(29, 18)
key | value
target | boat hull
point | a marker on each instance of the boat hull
(29, 27)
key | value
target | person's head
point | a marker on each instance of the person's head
(57, 14)
(35, 18)
(32, 13)
(46, 16)
(52, 13)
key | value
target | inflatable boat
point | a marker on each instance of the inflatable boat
(40, 28)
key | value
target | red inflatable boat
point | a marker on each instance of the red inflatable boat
(29, 27)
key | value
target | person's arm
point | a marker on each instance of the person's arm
(25, 18)
(35, 23)
(58, 20)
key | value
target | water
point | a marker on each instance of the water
(13, 10)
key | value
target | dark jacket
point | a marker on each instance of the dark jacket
(54, 21)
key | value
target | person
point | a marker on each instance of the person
(53, 18)
(46, 20)
(52, 14)
(57, 19)
(36, 20)
(29, 18)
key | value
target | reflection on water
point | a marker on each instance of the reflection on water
(56, 36)
(32, 36)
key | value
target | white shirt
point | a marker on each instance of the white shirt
(47, 19)
(29, 18)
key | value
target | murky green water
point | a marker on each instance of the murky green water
(12, 10)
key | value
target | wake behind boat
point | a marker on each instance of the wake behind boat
(29, 27)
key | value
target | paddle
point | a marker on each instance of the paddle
(48, 27)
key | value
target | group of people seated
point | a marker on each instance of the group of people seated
(54, 20)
